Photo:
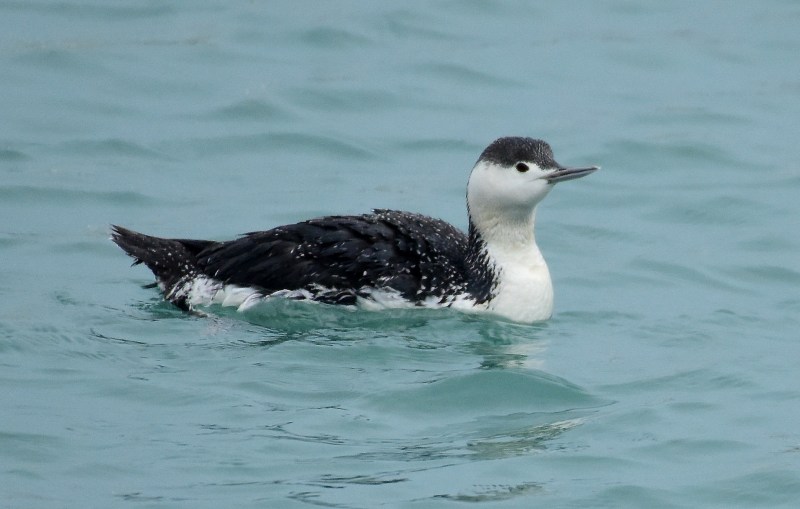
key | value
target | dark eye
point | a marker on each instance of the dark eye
(522, 167)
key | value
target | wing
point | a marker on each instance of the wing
(410, 253)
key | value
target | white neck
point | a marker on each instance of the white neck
(524, 291)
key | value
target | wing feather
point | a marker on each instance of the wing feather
(399, 250)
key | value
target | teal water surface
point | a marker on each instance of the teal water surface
(667, 377)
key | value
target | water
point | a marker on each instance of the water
(667, 378)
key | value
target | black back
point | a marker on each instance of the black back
(336, 256)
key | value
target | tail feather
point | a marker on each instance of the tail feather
(170, 260)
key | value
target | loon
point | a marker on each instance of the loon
(386, 258)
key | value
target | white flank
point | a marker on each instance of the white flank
(382, 298)
(203, 291)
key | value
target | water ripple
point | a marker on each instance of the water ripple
(326, 38)
(667, 272)
(408, 23)
(494, 492)
(494, 391)
(463, 74)
(763, 274)
(292, 143)
(13, 155)
(249, 110)
(114, 147)
(678, 153)
(329, 99)
(29, 194)
(100, 11)
(430, 144)
(693, 116)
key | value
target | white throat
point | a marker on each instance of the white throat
(523, 291)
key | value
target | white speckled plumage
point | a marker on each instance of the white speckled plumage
(387, 258)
